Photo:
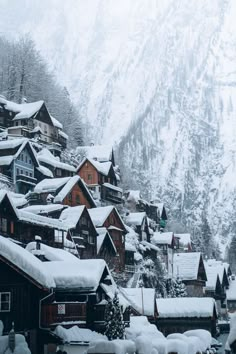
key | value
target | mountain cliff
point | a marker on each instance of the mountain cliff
(157, 79)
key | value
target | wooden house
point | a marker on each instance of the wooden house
(189, 267)
(166, 242)
(19, 163)
(183, 242)
(71, 191)
(23, 285)
(231, 295)
(101, 179)
(59, 290)
(53, 163)
(81, 229)
(106, 248)
(109, 218)
(178, 315)
(31, 120)
(23, 226)
(139, 222)
(142, 302)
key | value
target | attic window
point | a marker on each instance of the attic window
(5, 302)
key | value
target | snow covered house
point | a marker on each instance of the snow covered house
(186, 313)
(139, 222)
(110, 218)
(189, 267)
(231, 295)
(142, 302)
(81, 229)
(31, 120)
(106, 248)
(54, 164)
(101, 179)
(184, 243)
(23, 226)
(166, 242)
(38, 296)
(71, 191)
(19, 163)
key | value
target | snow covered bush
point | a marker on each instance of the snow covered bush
(177, 346)
(139, 325)
(117, 346)
(203, 336)
(21, 345)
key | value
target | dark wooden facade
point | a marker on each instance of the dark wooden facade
(92, 176)
(107, 251)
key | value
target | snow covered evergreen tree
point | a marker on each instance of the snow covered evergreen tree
(114, 319)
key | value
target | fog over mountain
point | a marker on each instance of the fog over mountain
(158, 78)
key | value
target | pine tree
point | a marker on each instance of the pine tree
(180, 288)
(114, 319)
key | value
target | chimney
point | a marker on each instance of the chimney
(38, 240)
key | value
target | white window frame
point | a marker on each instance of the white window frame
(58, 236)
(8, 302)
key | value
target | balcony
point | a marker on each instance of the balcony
(26, 179)
(68, 312)
(111, 193)
(131, 268)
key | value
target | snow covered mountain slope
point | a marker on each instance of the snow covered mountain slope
(158, 77)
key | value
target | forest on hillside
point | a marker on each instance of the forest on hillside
(25, 77)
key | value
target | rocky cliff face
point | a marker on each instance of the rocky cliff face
(160, 81)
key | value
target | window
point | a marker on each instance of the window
(22, 157)
(30, 162)
(21, 172)
(58, 236)
(77, 199)
(70, 197)
(17, 171)
(3, 224)
(30, 174)
(26, 159)
(58, 172)
(16, 124)
(91, 239)
(90, 177)
(27, 173)
(83, 221)
(5, 302)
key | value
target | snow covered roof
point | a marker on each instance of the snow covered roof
(27, 110)
(78, 335)
(26, 262)
(141, 299)
(219, 267)
(184, 239)
(102, 167)
(17, 199)
(99, 215)
(52, 254)
(149, 246)
(45, 171)
(231, 292)
(41, 220)
(16, 145)
(100, 152)
(102, 232)
(70, 216)
(134, 195)
(23, 110)
(44, 209)
(8, 195)
(63, 134)
(186, 265)
(56, 123)
(185, 307)
(162, 238)
(67, 188)
(80, 274)
(135, 219)
(48, 158)
(212, 276)
(129, 247)
(50, 185)
(115, 188)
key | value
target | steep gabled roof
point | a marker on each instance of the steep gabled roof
(50, 185)
(135, 219)
(27, 110)
(27, 263)
(187, 265)
(212, 277)
(102, 235)
(70, 216)
(100, 215)
(11, 149)
(163, 238)
(141, 299)
(102, 167)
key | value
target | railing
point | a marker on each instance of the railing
(56, 313)
(25, 178)
(131, 268)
